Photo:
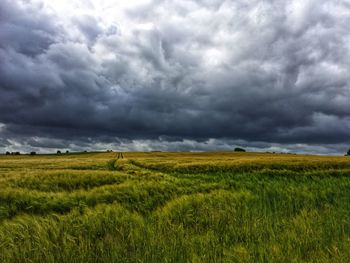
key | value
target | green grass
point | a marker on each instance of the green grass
(174, 207)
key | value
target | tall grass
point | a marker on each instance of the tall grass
(172, 207)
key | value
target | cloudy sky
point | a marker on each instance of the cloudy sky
(175, 75)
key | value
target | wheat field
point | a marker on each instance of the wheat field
(174, 207)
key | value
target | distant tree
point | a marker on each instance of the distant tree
(8, 153)
(16, 153)
(348, 153)
(67, 151)
(32, 153)
(58, 152)
(239, 149)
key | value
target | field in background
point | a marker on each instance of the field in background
(174, 207)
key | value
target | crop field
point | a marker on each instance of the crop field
(174, 207)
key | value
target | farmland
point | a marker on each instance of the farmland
(174, 207)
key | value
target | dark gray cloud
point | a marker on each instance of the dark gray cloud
(175, 75)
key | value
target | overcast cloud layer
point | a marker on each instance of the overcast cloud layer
(175, 75)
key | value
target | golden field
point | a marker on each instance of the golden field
(174, 207)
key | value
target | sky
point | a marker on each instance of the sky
(179, 75)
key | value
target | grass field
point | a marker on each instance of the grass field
(174, 207)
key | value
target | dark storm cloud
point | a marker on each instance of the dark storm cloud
(176, 75)
(25, 29)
